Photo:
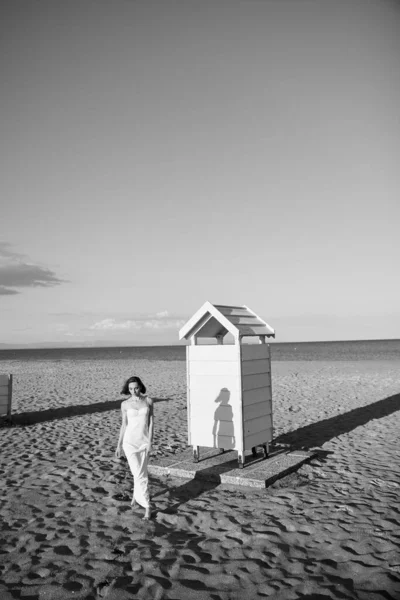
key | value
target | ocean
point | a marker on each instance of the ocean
(298, 351)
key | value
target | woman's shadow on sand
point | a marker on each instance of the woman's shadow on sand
(317, 434)
(51, 414)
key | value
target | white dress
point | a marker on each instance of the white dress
(135, 444)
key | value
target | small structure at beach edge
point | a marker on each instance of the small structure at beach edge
(229, 391)
(6, 381)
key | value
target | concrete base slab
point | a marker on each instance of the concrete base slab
(223, 467)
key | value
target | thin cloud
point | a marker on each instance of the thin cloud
(132, 324)
(26, 275)
(17, 273)
(111, 324)
(162, 314)
(6, 253)
(7, 292)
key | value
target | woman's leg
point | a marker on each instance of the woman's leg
(138, 466)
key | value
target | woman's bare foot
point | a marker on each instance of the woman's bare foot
(147, 514)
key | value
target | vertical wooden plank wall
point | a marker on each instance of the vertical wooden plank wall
(215, 411)
(256, 395)
(5, 395)
(188, 395)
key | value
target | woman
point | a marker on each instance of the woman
(136, 437)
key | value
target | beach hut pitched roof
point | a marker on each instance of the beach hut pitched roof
(213, 320)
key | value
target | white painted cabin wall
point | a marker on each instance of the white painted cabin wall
(214, 391)
(256, 395)
(242, 372)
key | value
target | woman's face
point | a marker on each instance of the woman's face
(134, 388)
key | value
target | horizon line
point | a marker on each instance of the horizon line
(59, 346)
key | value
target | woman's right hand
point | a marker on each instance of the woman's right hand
(118, 452)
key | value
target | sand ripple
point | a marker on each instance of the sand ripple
(332, 530)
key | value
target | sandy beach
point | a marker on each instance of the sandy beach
(331, 530)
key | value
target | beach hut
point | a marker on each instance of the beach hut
(229, 394)
(5, 395)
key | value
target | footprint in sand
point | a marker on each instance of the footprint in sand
(395, 568)
(104, 587)
(381, 483)
(344, 508)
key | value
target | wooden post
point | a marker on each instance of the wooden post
(265, 446)
(10, 382)
(241, 455)
(220, 342)
(196, 450)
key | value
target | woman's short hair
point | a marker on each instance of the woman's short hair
(125, 390)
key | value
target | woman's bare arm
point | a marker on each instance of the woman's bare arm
(151, 422)
(122, 431)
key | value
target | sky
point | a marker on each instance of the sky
(156, 155)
